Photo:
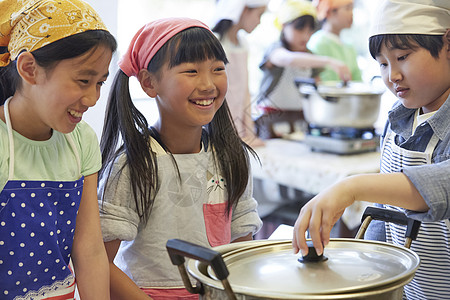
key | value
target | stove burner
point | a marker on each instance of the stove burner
(345, 133)
(341, 140)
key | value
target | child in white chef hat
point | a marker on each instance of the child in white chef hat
(411, 43)
(231, 18)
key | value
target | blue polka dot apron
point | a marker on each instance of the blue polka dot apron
(37, 224)
(433, 242)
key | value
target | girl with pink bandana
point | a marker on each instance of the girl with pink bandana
(187, 176)
(54, 61)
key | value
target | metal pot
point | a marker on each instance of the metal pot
(349, 269)
(333, 104)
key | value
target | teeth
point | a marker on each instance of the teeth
(75, 113)
(204, 102)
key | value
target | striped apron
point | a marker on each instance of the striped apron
(37, 225)
(432, 279)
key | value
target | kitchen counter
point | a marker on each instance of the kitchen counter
(289, 168)
(293, 164)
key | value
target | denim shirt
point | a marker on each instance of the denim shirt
(432, 181)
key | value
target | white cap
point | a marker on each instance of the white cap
(232, 9)
(411, 17)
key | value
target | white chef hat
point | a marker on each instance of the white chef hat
(232, 9)
(411, 17)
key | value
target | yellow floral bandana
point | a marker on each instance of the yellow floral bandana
(31, 24)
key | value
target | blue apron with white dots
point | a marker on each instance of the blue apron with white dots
(37, 225)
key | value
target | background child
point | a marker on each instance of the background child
(231, 16)
(55, 59)
(335, 16)
(279, 98)
(411, 42)
(185, 177)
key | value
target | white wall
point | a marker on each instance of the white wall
(108, 11)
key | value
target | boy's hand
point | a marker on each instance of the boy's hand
(319, 215)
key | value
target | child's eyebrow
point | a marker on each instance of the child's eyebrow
(90, 72)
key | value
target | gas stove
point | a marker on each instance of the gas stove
(342, 140)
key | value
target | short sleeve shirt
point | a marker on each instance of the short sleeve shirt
(52, 159)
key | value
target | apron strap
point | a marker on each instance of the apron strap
(11, 143)
(434, 140)
(75, 151)
(432, 144)
(10, 139)
(447, 222)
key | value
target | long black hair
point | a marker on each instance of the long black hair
(49, 55)
(432, 43)
(126, 130)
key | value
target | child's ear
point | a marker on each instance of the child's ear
(27, 67)
(148, 82)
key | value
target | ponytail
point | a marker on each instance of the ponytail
(125, 123)
(231, 154)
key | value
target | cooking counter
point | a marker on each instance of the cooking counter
(290, 172)
(293, 164)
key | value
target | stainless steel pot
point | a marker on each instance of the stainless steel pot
(353, 269)
(333, 104)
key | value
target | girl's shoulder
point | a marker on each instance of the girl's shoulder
(87, 143)
(83, 133)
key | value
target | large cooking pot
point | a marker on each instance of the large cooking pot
(333, 104)
(265, 269)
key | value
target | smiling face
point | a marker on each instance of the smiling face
(61, 95)
(418, 79)
(190, 93)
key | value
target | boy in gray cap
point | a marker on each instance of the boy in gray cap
(411, 42)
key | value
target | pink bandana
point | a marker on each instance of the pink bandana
(149, 39)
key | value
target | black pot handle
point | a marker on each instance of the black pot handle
(179, 249)
(304, 80)
(389, 215)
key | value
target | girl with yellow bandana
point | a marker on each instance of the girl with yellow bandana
(54, 57)
(279, 99)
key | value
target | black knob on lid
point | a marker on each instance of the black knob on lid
(312, 256)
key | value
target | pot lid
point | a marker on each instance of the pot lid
(351, 266)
